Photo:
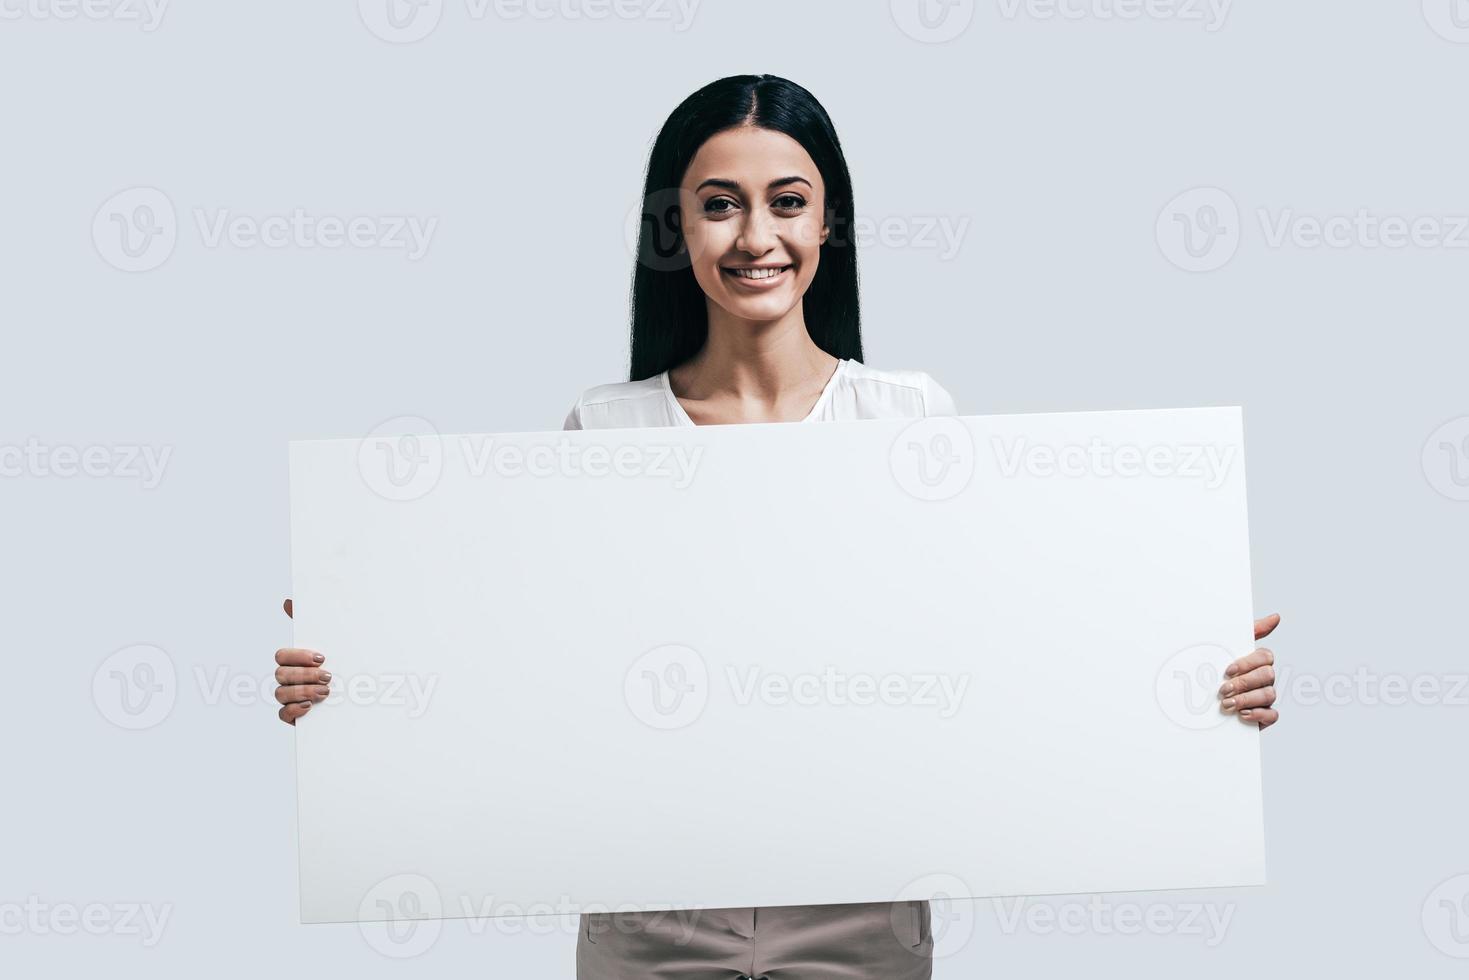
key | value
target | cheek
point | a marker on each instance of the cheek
(806, 244)
(805, 236)
(704, 252)
(706, 242)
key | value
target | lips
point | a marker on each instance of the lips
(757, 277)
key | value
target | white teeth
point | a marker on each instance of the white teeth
(757, 273)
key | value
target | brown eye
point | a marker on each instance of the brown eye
(712, 206)
(790, 202)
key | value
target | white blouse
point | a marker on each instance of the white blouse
(855, 391)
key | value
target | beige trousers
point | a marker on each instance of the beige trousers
(878, 941)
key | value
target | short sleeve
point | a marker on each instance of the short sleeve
(936, 399)
(573, 417)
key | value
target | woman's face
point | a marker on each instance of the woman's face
(753, 206)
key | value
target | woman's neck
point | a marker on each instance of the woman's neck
(758, 365)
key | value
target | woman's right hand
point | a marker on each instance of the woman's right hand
(301, 679)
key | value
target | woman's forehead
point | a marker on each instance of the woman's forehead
(751, 156)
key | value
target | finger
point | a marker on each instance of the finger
(289, 713)
(1262, 697)
(296, 657)
(1265, 716)
(300, 692)
(1263, 627)
(1259, 677)
(302, 675)
(1250, 661)
(287, 607)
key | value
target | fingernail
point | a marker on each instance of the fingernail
(1227, 689)
(318, 658)
(323, 691)
(326, 675)
(1231, 670)
(1245, 713)
(305, 705)
(1229, 703)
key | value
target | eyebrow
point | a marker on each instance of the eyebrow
(734, 185)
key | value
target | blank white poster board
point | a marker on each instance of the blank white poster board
(731, 666)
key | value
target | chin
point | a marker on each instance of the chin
(765, 308)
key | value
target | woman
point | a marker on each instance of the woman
(745, 310)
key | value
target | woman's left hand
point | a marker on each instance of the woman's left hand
(1248, 686)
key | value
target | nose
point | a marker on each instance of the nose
(756, 237)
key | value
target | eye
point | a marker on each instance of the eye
(790, 202)
(715, 206)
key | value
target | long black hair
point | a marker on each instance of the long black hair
(670, 318)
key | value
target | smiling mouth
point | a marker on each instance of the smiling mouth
(757, 275)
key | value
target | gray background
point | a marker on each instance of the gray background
(1060, 140)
